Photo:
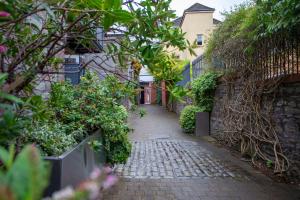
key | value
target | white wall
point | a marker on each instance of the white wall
(145, 76)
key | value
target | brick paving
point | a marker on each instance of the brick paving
(173, 159)
(169, 165)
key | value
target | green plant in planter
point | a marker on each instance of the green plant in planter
(96, 145)
(52, 139)
(25, 177)
(203, 90)
(188, 118)
(93, 105)
(115, 130)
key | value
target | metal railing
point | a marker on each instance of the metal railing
(186, 75)
(276, 56)
(273, 57)
(197, 66)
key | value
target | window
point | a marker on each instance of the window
(200, 39)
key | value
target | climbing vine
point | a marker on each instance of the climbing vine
(203, 90)
(248, 123)
(245, 44)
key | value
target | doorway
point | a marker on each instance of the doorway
(147, 94)
(142, 96)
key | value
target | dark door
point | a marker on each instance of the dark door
(142, 96)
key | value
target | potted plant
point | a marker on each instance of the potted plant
(84, 128)
(203, 89)
(75, 165)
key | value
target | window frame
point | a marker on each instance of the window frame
(202, 39)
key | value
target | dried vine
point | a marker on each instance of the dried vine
(260, 47)
(248, 121)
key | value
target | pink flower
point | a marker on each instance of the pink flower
(92, 188)
(109, 182)
(95, 174)
(4, 14)
(107, 170)
(3, 49)
(1, 112)
(66, 193)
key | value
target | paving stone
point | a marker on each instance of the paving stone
(188, 159)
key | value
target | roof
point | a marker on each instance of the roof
(177, 21)
(215, 21)
(197, 7)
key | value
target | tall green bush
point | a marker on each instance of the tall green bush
(77, 111)
(188, 118)
(249, 22)
(274, 16)
(203, 90)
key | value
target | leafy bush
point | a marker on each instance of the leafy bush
(203, 90)
(10, 124)
(277, 16)
(234, 34)
(52, 139)
(247, 23)
(94, 105)
(188, 118)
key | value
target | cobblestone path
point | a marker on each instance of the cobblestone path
(173, 159)
(167, 164)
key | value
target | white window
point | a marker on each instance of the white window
(200, 39)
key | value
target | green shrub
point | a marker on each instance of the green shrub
(188, 118)
(93, 105)
(51, 139)
(74, 112)
(119, 148)
(203, 90)
(248, 22)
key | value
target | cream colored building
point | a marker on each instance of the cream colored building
(198, 23)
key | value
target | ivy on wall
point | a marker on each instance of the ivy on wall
(203, 90)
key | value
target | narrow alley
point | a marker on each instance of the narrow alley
(168, 164)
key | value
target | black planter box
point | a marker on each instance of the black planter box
(202, 124)
(74, 166)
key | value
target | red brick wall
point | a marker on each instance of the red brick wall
(153, 93)
(164, 94)
(152, 88)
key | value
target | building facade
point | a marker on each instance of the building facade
(198, 23)
(148, 90)
(95, 60)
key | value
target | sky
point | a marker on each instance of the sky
(219, 5)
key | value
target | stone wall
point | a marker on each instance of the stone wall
(177, 106)
(286, 115)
